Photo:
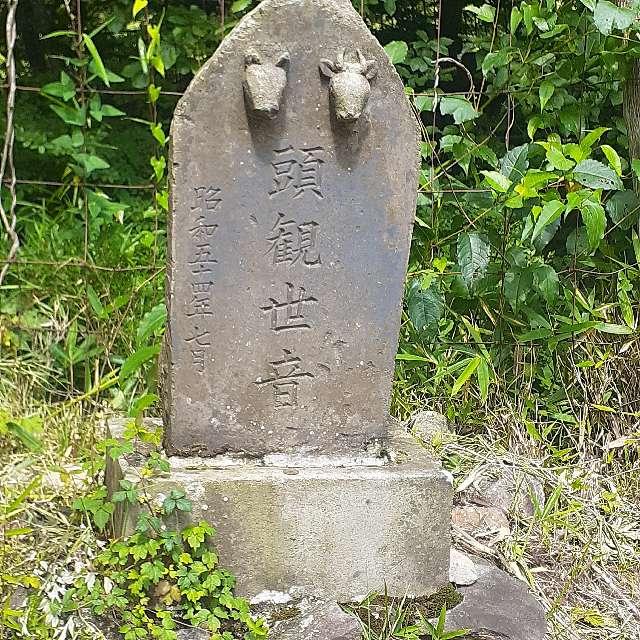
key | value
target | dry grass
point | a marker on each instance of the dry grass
(580, 553)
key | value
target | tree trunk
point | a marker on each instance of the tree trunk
(631, 109)
(631, 104)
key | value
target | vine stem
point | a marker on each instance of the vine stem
(8, 218)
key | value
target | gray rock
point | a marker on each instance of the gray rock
(481, 521)
(288, 238)
(428, 425)
(462, 569)
(508, 488)
(317, 620)
(498, 607)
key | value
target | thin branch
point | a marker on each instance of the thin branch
(9, 218)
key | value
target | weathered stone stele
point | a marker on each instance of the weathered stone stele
(288, 239)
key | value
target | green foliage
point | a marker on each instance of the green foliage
(437, 630)
(153, 583)
(165, 575)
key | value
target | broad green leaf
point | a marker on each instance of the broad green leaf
(91, 163)
(616, 329)
(459, 107)
(515, 163)
(497, 181)
(623, 208)
(547, 88)
(515, 20)
(75, 116)
(95, 302)
(624, 286)
(551, 211)
(547, 282)
(595, 175)
(473, 257)
(594, 220)
(397, 51)
(486, 12)
(239, 5)
(469, 370)
(65, 88)
(109, 111)
(138, 6)
(607, 17)
(614, 159)
(592, 137)
(495, 60)
(425, 307)
(151, 322)
(517, 286)
(136, 360)
(556, 157)
(97, 60)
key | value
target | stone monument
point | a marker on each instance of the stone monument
(293, 183)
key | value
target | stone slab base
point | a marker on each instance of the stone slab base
(336, 528)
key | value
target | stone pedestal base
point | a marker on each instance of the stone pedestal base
(337, 528)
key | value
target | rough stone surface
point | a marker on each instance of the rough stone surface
(498, 607)
(335, 528)
(480, 521)
(462, 569)
(317, 620)
(428, 425)
(288, 242)
(509, 489)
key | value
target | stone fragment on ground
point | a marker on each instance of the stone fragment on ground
(481, 522)
(428, 425)
(497, 607)
(507, 488)
(462, 569)
(316, 620)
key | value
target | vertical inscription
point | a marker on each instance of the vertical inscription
(293, 242)
(201, 263)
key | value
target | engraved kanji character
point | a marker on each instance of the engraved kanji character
(290, 241)
(203, 259)
(310, 174)
(286, 374)
(284, 170)
(201, 232)
(201, 339)
(200, 303)
(288, 315)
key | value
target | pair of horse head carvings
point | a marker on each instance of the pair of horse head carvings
(349, 86)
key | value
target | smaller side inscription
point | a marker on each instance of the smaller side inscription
(201, 263)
